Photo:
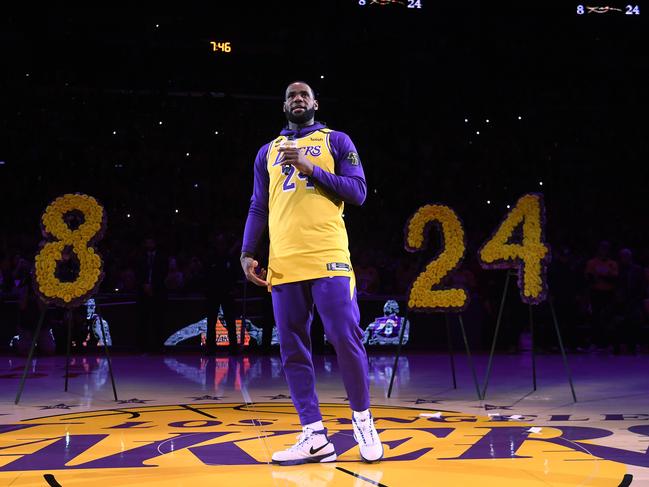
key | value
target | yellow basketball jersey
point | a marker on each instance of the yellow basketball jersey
(308, 238)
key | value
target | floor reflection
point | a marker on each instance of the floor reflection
(216, 372)
(321, 477)
(238, 370)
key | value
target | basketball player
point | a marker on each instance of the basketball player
(301, 181)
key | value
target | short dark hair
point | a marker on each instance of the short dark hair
(299, 81)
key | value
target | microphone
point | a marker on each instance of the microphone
(289, 142)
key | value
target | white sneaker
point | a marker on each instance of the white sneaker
(367, 438)
(311, 447)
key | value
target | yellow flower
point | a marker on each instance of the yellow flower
(90, 262)
(529, 256)
(422, 296)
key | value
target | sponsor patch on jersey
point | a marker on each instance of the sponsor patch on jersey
(353, 158)
(338, 266)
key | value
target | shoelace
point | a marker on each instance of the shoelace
(301, 438)
(366, 429)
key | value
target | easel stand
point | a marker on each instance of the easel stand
(450, 349)
(533, 351)
(68, 319)
(103, 336)
(31, 354)
(450, 352)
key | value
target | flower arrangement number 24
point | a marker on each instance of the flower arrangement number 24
(518, 243)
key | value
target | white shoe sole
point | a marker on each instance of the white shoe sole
(373, 461)
(327, 457)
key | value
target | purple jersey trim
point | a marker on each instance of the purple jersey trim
(258, 211)
(303, 131)
(348, 183)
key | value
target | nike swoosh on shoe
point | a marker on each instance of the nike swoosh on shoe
(313, 452)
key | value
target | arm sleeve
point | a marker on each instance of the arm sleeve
(348, 183)
(258, 211)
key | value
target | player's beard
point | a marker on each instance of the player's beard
(301, 118)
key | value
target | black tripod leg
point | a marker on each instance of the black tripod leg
(450, 349)
(396, 358)
(468, 355)
(67, 357)
(563, 350)
(30, 355)
(533, 349)
(103, 335)
(493, 343)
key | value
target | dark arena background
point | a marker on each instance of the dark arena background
(158, 114)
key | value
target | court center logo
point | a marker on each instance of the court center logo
(199, 443)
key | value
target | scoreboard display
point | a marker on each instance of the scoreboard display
(414, 4)
(628, 9)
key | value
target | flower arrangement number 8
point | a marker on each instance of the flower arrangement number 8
(68, 270)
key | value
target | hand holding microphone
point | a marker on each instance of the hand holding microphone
(289, 143)
(293, 156)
